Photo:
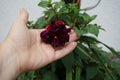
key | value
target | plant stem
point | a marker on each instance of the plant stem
(78, 73)
(55, 12)
(32, 74)
(68, 74)
(79, 3)
(85, 53)
(73, 24)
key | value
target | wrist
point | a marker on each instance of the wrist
(8, 62)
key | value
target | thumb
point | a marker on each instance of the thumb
(24, 15)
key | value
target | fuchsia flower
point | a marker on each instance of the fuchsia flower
(110, 58)
(55, 34)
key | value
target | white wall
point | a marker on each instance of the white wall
(108, 17)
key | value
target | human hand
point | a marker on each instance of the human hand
(23, 49)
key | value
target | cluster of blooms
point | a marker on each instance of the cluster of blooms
(56, 34)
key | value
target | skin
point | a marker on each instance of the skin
(23, 50)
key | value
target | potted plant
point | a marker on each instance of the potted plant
(88, 61)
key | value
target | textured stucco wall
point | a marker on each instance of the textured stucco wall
(108, 17)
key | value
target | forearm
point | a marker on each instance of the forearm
(8, 69)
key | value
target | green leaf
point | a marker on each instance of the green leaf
(66, 19)
(86, 17)
(58, 5)
(115, 66)
(45, 3)
(50, 13)
(82, 52)
(73, 10)
(78, 60)
(91, 71)
(27, 76)
(96, 50)
(68, 61)
(41, 23)
(80, 20)
(93, 17)
(79, 32)
(112, 50)
(53, 66)
(49, 75)
(105, 56)
(93, 29)
(63, 10)
(100, 75)
(107, 77)
(88, 39)
(22, 77)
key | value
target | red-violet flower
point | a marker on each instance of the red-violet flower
(55, 34)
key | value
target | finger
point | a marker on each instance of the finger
(23, 15)
(65, 50)
(73, 36)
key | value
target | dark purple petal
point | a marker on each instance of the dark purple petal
(59, 22)
(69, 30)
(56, 34)
(55, 42)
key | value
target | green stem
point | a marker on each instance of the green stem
(32, 74)
(78, 73)
(79, 3)
(74, 23)
(85, 53)
(55, 12)
(69, 74)
(75, 20)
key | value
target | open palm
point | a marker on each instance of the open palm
(30, 51)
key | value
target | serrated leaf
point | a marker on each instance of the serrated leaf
(86, 17)
(63, 10)
(93, 17)
(91, 71)
(66, 19)
(80, 32)
(45, 3)
(93, 29)
(40, 23)
(58, 5)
